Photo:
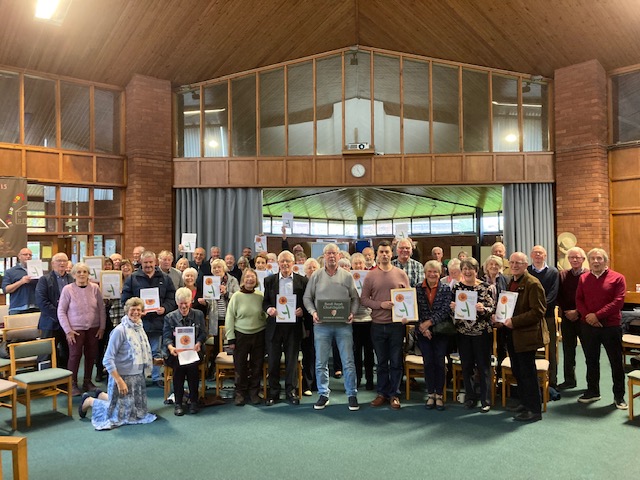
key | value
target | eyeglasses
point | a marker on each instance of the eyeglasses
(576, 258)
(517, 263)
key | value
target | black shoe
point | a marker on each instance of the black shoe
(293, 399)
(178, 411)
(193, 408)
(567, 385)
(322, 402)
(528, 416)
(469, 404)
(255, 399)
(270, 401)
(519, 409)
(239, 400)
(353, 403)
(588, 397)
(82, 413)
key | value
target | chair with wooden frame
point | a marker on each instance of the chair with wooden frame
(414, 368)
(43, 383)
(224, 362)
(630, 346)
(633, 380)
(456, 369)
(265, 374)
(168, 379)
(9, 390)
(542, 369)
(22, 320)
(18, 334)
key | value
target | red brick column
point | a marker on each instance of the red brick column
(582, 177)
(148, 199)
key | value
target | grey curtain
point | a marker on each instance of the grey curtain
(528, 212)
(226, 217)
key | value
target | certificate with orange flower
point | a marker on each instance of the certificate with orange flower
(286, 309)
(466, 305)
(358, 279)
(151, 298)
(111, 284)
(211, 287)
(506, 305)
(405, 305)
(185, 343)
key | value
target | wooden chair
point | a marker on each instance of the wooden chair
(414, 369)
(18, 448)
(265, 374)
(542, 368)
(456, 369)
(18, 334)
(4, 311)
(633, 379)
(22, 320)
(630, 346)
(224, 362)
(168, 379)
(9, 390)
(44, 383)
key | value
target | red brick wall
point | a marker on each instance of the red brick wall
(582, 178)
(149, 196)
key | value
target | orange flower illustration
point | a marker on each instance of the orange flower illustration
(399, 298)
(356, 276)
(209, 281)
(462, 297)
(282, 300)
(296, 268)
(504, 300)
(185, 340)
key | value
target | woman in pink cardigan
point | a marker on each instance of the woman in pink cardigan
(82, 317)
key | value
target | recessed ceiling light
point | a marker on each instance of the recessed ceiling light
(53, 11)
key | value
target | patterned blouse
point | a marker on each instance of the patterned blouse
(483, 320)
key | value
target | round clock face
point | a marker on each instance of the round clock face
(358, 170)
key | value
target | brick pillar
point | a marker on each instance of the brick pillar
(582, 177)
(148, 199)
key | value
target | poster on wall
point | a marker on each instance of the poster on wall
(13, 215)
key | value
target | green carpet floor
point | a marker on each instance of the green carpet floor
(285, 442)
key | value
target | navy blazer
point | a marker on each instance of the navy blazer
(47, 298)
(271, 287)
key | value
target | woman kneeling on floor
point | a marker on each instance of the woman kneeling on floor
(127, 359)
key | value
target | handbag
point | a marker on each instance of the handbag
(445, 327)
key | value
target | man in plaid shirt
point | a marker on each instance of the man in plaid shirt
(413, 268)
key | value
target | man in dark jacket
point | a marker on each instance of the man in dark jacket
(284, 337)
(524, 336)
(147, 277)
(48, 291)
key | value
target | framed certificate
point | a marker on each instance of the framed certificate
(95, 264)
(111, 284)
(333, 311)
(405, 304)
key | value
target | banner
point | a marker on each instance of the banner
(13, 215)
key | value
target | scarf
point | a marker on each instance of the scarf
(244, 290)
(138, 343)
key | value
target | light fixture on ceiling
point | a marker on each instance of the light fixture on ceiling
(52, 11)
(526, 87)
(354, 58)
(195, 95)
(197, 112)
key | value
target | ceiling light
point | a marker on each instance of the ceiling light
(197, 112)
(213, 144)
(512, 137)
(52, 11)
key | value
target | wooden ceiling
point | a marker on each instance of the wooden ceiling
(187, 41)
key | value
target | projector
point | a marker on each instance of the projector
(357, 146)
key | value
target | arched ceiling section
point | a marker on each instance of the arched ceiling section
(381, 202)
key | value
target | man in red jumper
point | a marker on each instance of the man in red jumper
(599, 300)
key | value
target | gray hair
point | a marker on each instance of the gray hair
(433, 264)
(600, 251)
(183, 294)
(493, 258)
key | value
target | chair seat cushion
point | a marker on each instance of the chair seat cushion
(42, 376)
(506, 363)
(635, 374)
(416, 359)
(542, 364)
(631, 339)
(223, 358)
(6, 385)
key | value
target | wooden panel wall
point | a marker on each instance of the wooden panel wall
(381, 170)
(624, 176)
(38, 165)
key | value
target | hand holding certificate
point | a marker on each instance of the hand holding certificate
(405, 305)
(466, 305)
(506, 305)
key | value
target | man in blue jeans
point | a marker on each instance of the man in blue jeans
(332, 283)
(387, 336)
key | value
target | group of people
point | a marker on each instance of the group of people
(132, 343)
